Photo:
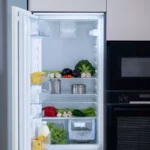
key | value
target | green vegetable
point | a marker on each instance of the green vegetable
(89, 112)
(78, 113)
(58, 136)
(85, 66)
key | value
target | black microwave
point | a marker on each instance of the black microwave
(128, 65)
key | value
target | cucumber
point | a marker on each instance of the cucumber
(78, 113)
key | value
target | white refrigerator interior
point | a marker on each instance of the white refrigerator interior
(54, 41)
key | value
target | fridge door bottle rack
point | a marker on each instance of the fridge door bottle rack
(28, 44)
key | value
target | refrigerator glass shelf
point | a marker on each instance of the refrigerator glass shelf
(68, 95)
(68, 118)
(66, 79)
(39, 36)
(66, 98)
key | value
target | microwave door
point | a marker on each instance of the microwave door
(128, 65)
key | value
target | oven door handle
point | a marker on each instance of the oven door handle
(139, 102)
(131, 109)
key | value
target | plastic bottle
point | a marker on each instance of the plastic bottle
(44, 131)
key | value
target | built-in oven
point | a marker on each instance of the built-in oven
(128, 121)
(128, 65)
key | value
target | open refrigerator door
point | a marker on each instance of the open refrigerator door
(20, 79)
(24, 25)
(39, 42)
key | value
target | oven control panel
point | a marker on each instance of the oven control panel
(128, 97)
(123, 98)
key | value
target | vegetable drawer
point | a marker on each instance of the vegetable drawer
(82, 131)
(58, 130)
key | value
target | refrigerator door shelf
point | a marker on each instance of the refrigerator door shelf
(39, 79)
(40, 28)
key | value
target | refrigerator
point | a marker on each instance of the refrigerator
(54, 41)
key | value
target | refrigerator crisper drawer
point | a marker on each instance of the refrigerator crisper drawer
(82, 131)
(58, 130)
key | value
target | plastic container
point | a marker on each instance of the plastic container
(55, 86)
(82, 131)
(78, 89)
(38, 78)
(40, 144)
(58, 132)
(43, 140)
(44, 130)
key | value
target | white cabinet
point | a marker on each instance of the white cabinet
(68, 5)
(128, 20)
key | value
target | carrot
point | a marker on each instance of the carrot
(69, 76)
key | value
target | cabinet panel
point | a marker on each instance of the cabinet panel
(68, 5)
(128, 20)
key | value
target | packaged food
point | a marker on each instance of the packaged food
(38, 78)
(43, 130)
(40, 143)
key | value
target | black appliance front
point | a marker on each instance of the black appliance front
(128, 127)
(128, 65)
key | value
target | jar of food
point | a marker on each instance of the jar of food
(78, 89)
(74, 89)
(55, 86)
(81, 89)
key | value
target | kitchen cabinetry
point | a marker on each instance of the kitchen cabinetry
(128, 20)
(68, 5)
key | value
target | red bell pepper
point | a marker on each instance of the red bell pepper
(49, 111)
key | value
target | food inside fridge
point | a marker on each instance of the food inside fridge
(89, 112)
(84, 66)
(40, 143)
(66, 71)
(76, 73)
(38, 78)
(51, 111)
(71, 117)
(43, 130)
(58, 133)
(78, 113)
(83, 69)
(78, 89)
(55, 86)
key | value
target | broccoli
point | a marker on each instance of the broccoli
(85, 66)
